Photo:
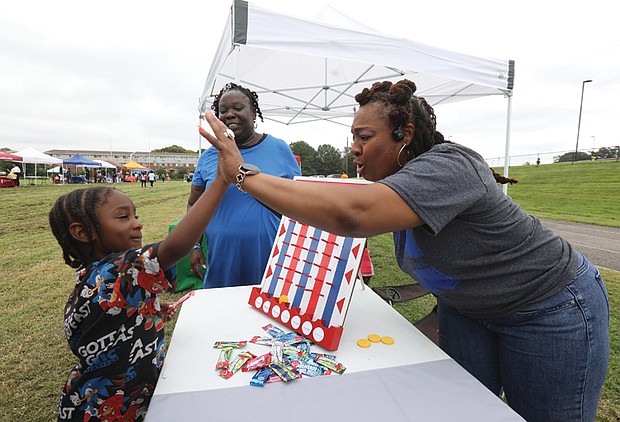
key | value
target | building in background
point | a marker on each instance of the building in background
(171, 161)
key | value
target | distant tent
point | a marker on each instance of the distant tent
(80, 160)
(132, 165)
(32, 156)
(105, 164)
(5, 156)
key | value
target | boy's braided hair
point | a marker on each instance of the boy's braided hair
(78, 206)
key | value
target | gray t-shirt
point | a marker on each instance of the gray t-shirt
(478, 251)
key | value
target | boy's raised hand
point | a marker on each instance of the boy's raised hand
(228, 153)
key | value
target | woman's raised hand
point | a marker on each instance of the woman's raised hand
(229, 157)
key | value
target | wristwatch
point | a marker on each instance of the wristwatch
(245, 169)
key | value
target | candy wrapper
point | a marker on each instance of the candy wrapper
(294, 352)
(235, 364)
(257, 362)
(260, 378)
(330, 363)
(274, 331)
(229, 344)
(224, 360)
(309, 368)
(283, 371)
(178, 303)
(277, 351)
(266, 341)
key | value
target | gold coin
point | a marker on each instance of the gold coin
(375, 338)
(387, 340)
(363, 343)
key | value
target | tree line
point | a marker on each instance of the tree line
(324, 160)
(601, 153)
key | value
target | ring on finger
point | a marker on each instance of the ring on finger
(229, 134)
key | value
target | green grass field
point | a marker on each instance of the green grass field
(35, 283)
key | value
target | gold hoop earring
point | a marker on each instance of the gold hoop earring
(398, 156)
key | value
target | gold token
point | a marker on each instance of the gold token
(363, 343)
(283, 299)
(375, 338)
(387, 340)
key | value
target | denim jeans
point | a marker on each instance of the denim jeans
(550, 359)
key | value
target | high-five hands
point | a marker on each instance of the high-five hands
(224, 140)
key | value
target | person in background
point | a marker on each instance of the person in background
(240, 237)
(143, 179)
(151, 176)
(518, 306)
(16, 174)
(113, 318)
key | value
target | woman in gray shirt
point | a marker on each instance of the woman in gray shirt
(518, 307)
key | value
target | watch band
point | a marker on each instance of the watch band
(245, 169)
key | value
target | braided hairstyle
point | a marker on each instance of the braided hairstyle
(401, 107)
(78, 206)
(231, 86)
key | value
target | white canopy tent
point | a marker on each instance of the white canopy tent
(309, 70)
(31, 155)
(105, 164)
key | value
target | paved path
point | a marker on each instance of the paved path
(600, 244)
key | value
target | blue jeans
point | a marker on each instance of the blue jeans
(550, 359)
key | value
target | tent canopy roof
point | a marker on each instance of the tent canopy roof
(31, 155)
(80, 160)
(132, 165)
(105, 164)
(5, 156)
(306, 70)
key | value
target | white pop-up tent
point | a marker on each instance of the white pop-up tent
(105, 164)
(308, 70)
(31, 155)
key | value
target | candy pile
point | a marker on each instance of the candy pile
(289, 358)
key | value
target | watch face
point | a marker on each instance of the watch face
(250, 168)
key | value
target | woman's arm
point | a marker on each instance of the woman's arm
(355, 211)
(194, 193)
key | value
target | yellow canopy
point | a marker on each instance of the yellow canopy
(132, 165)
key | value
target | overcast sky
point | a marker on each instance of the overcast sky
(127, 75)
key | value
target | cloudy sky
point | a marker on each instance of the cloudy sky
(127, 75)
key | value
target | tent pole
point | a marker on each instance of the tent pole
(507, 152)
(199, 125)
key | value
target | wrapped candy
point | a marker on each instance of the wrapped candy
(231, 344)
(259, 379)
(257, 362)
(224, 360)
(235, 364)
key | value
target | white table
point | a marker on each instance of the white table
(410, 380)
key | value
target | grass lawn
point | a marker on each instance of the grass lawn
(35, 357)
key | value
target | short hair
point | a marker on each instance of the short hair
(231, 86)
